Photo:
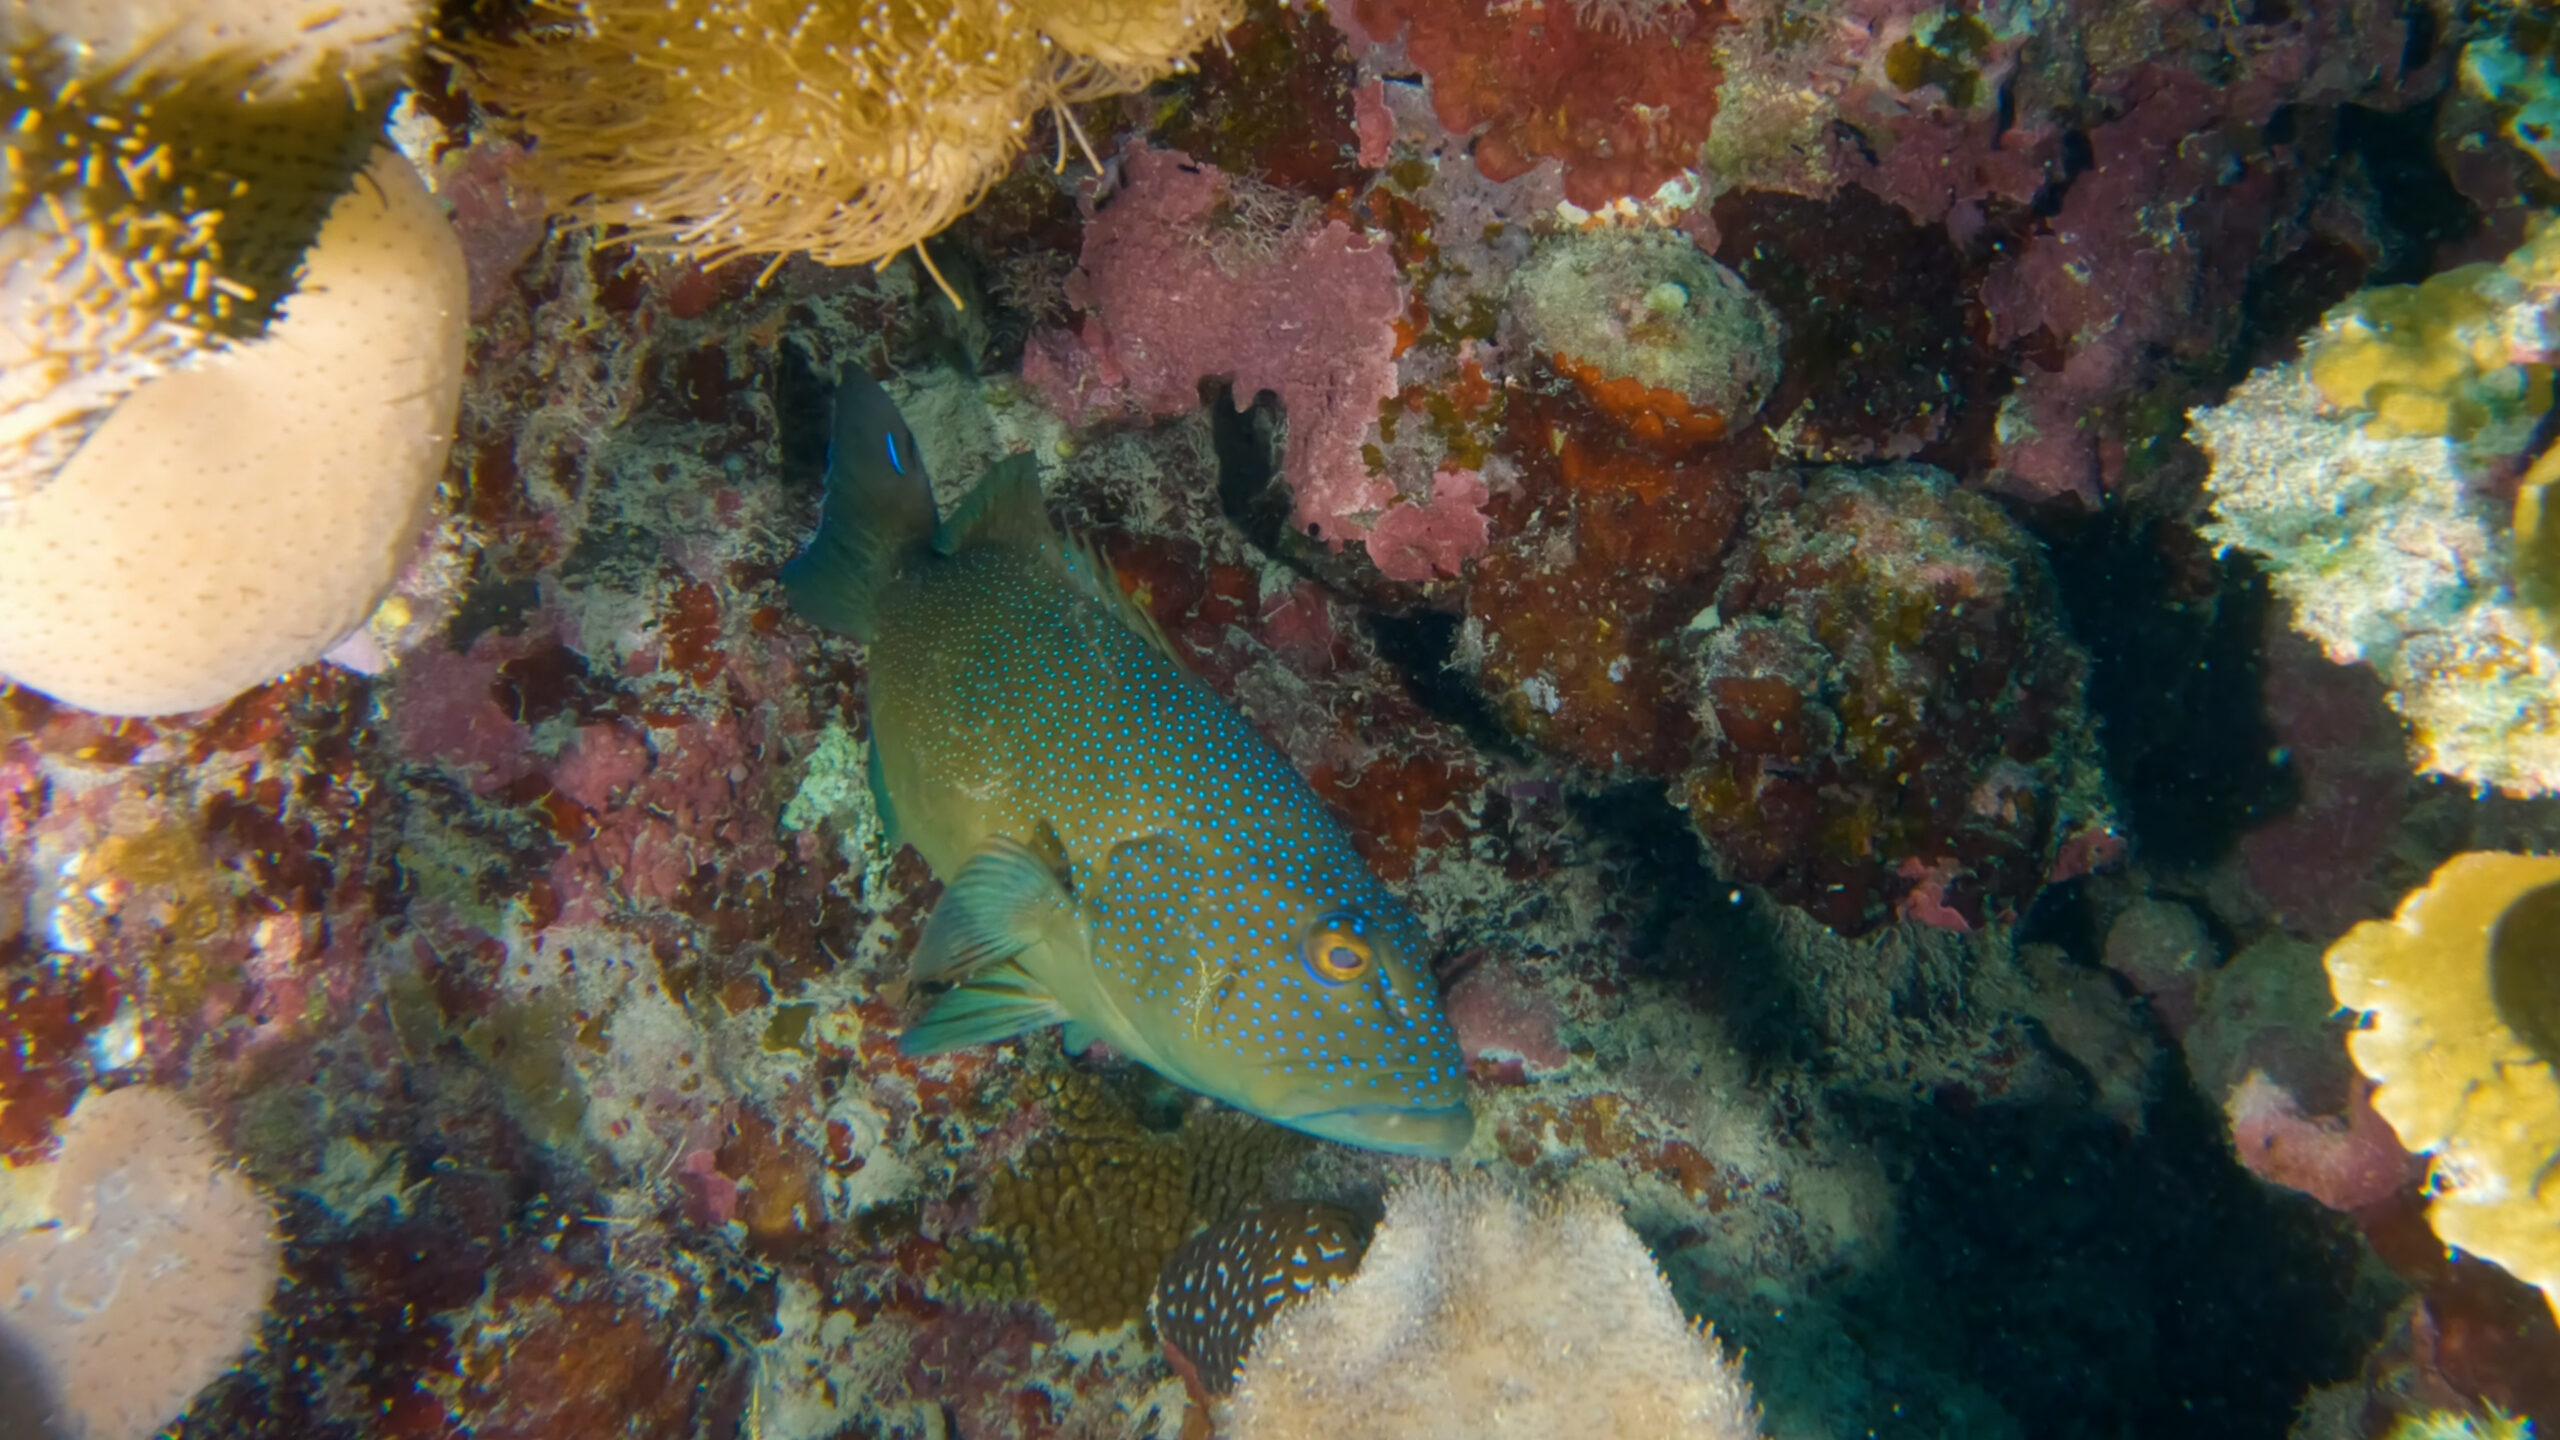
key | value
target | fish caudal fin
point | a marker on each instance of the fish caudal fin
(997, 1004)
(879, 507)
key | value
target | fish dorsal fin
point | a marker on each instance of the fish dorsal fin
(1004, 509)
(1092, 574)
(1004, 901)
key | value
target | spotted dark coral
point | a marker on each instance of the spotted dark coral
(1218, 1289)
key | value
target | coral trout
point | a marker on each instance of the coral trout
(1121, 853)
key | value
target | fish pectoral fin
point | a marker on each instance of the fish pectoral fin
(997, 1005)
(1003, 902)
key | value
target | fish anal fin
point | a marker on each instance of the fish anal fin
(1004, 901)
(997, 1004)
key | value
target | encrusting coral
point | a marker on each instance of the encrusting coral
(2462, 988)
(168, 163)
(148, 1280)
(2362, 472)
(146, 579)
(849, 131)
(1478, 1315)
(1655, 332)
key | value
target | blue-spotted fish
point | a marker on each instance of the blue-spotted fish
(1122, 854)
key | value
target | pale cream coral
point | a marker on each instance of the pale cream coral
(233, 519)
(1478, 1316)
(154, 1262)
(2462, 991)
(168, 162)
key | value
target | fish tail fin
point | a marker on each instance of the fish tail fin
(998, 1003)
(879, 507)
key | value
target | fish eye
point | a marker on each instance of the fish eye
(1336, 950)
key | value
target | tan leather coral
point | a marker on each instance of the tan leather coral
(851, 131)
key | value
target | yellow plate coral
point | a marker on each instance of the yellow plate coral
(2462, 991)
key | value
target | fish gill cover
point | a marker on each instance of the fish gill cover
(1859, 594)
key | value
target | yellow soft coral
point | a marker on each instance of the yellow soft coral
(850, 130)
(2462, 988)
(2445, 357)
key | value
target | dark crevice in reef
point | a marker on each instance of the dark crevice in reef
(1687, 929)
(1249, 492)
(1421, 647)
(2101, 1283)
(2174, 644)
(803, 417)
(2422, 209)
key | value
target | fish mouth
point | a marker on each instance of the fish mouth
(1437, 1132)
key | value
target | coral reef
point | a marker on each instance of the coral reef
(143, 581)
(168, 164)
(140, 1266)
(1162, 313)
(1623, 96)
(1086, 1217)
(696, 128)
(2357, 471)
(1475, 1314)
(1978, 1077)
(2463, 1040)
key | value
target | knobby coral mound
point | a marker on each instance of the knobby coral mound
(147, 579)
(1891, 717)
(2462, 988)
(1654, 331)
(150, 1280)
(850, 131)
(168, 163)
(1086, 1217)
(1478, 1315)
